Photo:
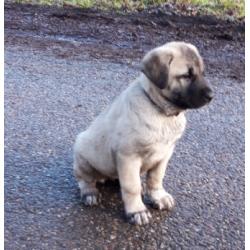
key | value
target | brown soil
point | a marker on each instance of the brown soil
(125, 37)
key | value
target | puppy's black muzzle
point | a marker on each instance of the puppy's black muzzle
(207, 94)
(196, 95)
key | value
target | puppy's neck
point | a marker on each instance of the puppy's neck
(152, 93)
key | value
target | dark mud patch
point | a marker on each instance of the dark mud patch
(79, 33)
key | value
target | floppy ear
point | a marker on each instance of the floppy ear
(155, 67)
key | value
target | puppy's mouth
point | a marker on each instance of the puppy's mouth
(179, 103)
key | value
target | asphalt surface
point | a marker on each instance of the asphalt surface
(50, 99)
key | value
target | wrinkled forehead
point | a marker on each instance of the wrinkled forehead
(185, 58)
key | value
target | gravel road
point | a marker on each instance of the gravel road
(50, 96)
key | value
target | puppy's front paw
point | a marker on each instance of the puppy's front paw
(91, 199)
(164, 202)
(139, 218)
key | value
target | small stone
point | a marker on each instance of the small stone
(112, 237)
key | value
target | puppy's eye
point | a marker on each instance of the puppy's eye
(186, 76)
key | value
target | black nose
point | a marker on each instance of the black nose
(207, 94)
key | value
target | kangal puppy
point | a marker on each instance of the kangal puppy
(138, 132)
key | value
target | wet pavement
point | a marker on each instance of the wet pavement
(54, 89)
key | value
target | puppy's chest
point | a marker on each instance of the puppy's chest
(160, 143)
(167, 131)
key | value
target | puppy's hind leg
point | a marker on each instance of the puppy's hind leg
(86, 177)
